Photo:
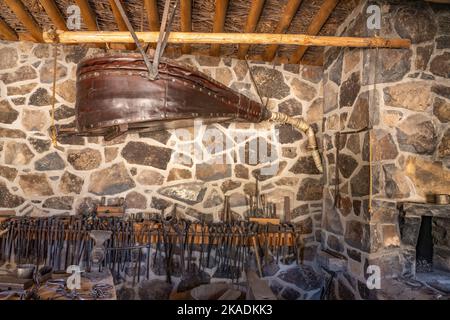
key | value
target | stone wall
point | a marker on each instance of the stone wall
(382, 116)
(153, 171)
(414, 114)
(399, 101)
(346, 119)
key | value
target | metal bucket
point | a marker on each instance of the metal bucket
(25, 271)
(442, 199)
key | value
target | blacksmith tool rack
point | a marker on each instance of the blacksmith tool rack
(167, 246)
(111, 210)
(263, 211)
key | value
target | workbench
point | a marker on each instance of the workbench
(72, 233)
(145, 232)
(198, 237)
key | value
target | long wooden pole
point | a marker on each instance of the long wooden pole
(74, 37)
(252, 21)
(26, 18)
(313, 29)
(54, 13)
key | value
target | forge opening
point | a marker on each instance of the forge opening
(424, 247)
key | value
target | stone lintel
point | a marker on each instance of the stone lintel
(426, 209)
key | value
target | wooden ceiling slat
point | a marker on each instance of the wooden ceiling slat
(7, 32)
(151, 6)
(26, 36)
(88, 15)
(117, 17)
(314, 28)
(288, 14)
(219, 23)
(186, 22)
(25, 18)
(120, 22)
(54, 14)
(252, 21)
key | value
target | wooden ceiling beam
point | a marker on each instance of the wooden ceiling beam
(285, 21)
(186, 22)
(151, 6)
(26, 36)
(117, 17)
(7, 32)
(88, 15)
(314, 28)
(89, 18)
(230, 38)
(120, 22)
(252, 21)
(54, 14)
(25, 18)
(219, 23)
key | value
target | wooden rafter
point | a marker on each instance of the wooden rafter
(120, 22)
(288, 14)
(54, 14)
(219, 22)
(151, 7)
(26, 36)
(117, 17)
(314, 28)
(88, 15)
(230, 38)
(7, 32)
(25, 18)
(186, 21)
(252, 21)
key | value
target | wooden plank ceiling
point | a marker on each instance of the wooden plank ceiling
(26, 19)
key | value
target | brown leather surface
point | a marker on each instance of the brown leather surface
(115, 95)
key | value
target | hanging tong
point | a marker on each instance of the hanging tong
(226, 214)
(162, 39)
(134, 36)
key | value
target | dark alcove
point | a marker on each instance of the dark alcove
(424, 248)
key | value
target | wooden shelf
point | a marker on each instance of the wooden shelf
(265, 220)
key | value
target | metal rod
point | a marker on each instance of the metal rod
(162, 38)
(133, 34)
